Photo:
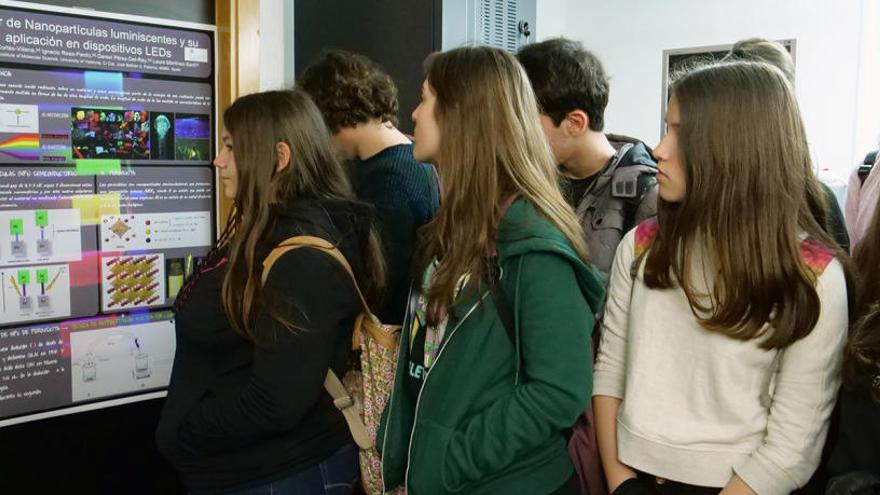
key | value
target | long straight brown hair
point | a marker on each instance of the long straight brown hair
(257, 122)
(744, 150)
(773, 53)
(491, 147)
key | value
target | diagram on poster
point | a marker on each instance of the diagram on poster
(39, 236)
(35, 293)
(19, 118)
(130, 232)
(132, 282)
(121, 360)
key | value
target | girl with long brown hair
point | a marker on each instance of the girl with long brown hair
(246, 406)
(720, 355)
(495, 353)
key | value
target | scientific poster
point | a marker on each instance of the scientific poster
(107, 132)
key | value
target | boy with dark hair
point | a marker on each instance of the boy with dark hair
(359, 103)
(610, 180)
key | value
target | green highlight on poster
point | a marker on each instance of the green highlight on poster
(96, 166)
(16, 226)
(42, 218)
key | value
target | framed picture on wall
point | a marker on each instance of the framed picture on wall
(679, 60)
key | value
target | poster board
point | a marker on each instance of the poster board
(107, 201)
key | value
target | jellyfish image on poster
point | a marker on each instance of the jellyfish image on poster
(165, 145)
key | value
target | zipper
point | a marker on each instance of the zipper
(391, 396)
(419, 398)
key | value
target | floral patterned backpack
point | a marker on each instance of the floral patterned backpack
(362, 393)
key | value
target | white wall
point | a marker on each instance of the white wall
(551, 18)
(276, 44)
(868, 96)
(838, 59)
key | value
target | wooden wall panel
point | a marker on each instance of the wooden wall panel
(238, 42)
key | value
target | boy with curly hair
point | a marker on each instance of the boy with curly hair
(359, 103)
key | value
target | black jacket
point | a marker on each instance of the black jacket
(857, 446)
(836, 226)
(240, 415)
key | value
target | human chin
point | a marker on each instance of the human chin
(422, 153)
(228, 189)
(670, 193)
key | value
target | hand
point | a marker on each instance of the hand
(736, 486)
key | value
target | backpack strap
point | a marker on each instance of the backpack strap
(346, 405)
(644, 184)
(816, 256)
(343, 401)
(502, 307)
(305, 241)
(320, 244)
(631, 177)
(504, 311)
(645, 234)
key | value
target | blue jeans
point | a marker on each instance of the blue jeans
(336, 475)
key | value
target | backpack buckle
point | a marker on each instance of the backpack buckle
(343, 403)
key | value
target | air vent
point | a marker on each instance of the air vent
(498, 24)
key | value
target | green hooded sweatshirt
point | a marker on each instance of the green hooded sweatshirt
(487, 420)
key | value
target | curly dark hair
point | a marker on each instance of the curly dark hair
(566, 77)
(350, 89)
